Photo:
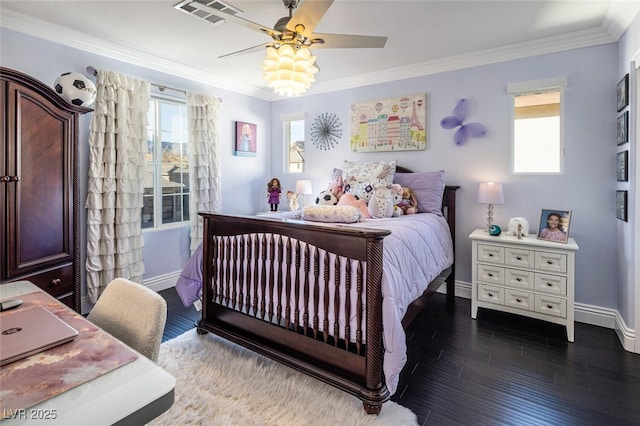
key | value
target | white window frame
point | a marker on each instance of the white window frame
(531, 87)
(157, 169)
(286, 144)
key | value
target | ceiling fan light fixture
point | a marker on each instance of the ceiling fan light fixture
(289, 70)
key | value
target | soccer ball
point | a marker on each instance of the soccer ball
(326, 198)
(75, 88)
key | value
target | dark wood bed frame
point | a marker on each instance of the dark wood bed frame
(233, 243)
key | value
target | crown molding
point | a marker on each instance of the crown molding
(610, 31)
(574, 40)
(57, 34)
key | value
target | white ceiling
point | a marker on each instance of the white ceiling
(424, 36)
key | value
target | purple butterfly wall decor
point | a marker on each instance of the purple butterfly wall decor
(465, 131)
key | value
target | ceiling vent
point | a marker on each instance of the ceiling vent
(202, 9)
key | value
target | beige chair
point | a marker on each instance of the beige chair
(132, 313)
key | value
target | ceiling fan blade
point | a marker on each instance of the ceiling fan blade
(247, 50)
(341, 41)
(309, 13)
(233, 18)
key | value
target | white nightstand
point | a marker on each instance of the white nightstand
(529, 277)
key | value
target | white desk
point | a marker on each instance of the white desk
(132, 394)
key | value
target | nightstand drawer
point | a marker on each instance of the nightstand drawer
(491, 294)
(550, 305)
(490, 274)
(553, 284)
(493, 254)
(519, 299)
(519, 279)
(519, 257)
(551, 262)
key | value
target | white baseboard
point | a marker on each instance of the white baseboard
(162, 282)
(588, 314)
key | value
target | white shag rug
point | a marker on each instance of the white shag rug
(221, 383)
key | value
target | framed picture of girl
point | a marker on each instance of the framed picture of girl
(554, 225)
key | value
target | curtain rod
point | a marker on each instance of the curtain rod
(162, 87)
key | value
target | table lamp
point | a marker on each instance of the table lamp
(303, 187)
(490, 193)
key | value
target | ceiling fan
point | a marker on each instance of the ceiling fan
(295, 30)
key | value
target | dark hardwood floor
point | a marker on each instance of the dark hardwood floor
(501, 369)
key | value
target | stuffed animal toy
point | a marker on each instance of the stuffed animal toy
(408, 203)
(292, 198)
(326, 198)
(513, 227)
(351, 200)
(381, 204)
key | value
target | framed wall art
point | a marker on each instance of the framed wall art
(622, 169)
(621, 205)
(554, 225)
(246, 139)
(623, 128)
(623, 92)
(392, 124)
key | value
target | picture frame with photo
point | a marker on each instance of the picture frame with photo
(623, 92)
(622, 169)
(554, 225)
(623, 128)
(621, 205)
(246, 142)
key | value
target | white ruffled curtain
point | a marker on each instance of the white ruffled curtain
(117, 141)
(204, 160)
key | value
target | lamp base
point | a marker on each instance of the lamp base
(489, 217)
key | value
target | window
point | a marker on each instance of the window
(537, 127)
(166, 182)
(294, 127)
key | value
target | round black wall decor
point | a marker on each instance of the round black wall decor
(326, 131)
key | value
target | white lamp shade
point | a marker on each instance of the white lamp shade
(490, 193)
(303, 187)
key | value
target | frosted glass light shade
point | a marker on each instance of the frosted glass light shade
(303, 187)
(289, 70)
(490, 193)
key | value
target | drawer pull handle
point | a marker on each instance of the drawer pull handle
(549, 306)
(519, 257)
(490, 254)
(490, 294)
(56, 281)
(490, 274)
(549, 262)
(518, 300)
(549, 284)
(518, 279)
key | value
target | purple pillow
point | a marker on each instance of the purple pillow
(428, 188)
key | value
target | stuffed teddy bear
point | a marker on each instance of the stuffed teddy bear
(408, 203)
(382, 201)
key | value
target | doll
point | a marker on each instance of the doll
(273, 193)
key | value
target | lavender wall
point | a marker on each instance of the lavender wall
(587, 187)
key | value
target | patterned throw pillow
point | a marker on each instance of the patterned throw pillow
(360, 178)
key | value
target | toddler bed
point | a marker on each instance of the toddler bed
(330, 300)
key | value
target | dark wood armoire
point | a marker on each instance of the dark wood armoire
(39, 233)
